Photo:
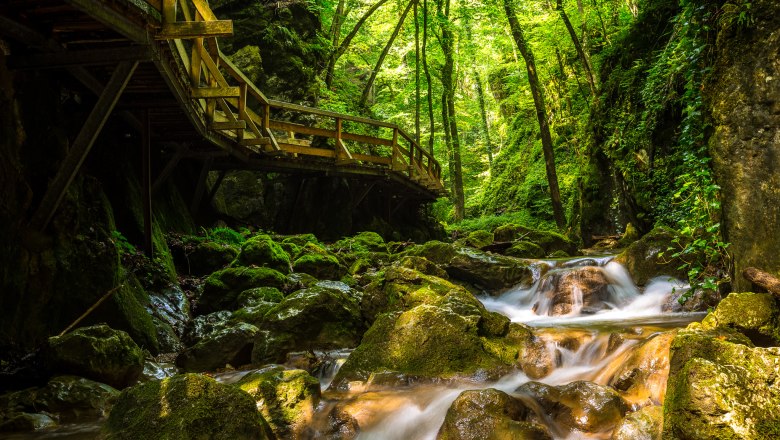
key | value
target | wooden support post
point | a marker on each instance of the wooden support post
(169, 11)
(169, 167)
(200, 188)
(214, 188)
(359, 199)
(82, 144)
(146, 184)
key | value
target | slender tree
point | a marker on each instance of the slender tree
(584, 57)
(339, 51)
(541, 112)
(372, 78)
(416, 72)
(483, 113)
(428, 80)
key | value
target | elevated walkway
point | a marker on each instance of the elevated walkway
(157, 65)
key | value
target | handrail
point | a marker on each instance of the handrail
(223, 101)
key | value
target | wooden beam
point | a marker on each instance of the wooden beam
(230, 125)
(116, 18)
(195, 29)
(146, 185)
(214, 92)
(79, 58)
(213, 191)
(82, 145)
(200, 188)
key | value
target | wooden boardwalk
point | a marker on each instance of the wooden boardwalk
(157, 65)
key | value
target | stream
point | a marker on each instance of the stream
(587, 344)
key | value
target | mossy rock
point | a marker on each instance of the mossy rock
(318, 262)
(287, 399)
(223, 287)
(300, 240)
(362, 242)
(756, 315)
(99, 353)
(579, 405)
(645, 424)
(262, 251)
(550, 241)
(525, 249)
(360, 266)
(648, 257)
(435, 251)
(423, 265)
(520, 347)
(489, 414)
(478, 239)
(19, 422)
(324, 316)
(424, 343)
(203, 325)
(492, 272)
(70, 399)
(207, 257)
(230, 345)
(721, 387)
(259, 295)
(128, 310)
(559, 254)
(630, 235)
(183, 407)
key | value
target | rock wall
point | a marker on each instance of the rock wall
(744, 95)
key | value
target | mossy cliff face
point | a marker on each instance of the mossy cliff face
(743, 94)
(720, 384)
(188, 406)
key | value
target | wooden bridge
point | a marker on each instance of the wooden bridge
(157, 64)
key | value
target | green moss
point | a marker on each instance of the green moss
(318, 262)
(188, 406)
(363, 242)
(525, 249)
(223, 287)
(423, 265)
(288, 398)
(753, 314)
(262, 251)
(435, 251)
(259, 295)
(647, 257)
(99, 353)
(479, 239)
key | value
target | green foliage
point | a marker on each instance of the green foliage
(736, 14)
(224, 235)
(123, 246)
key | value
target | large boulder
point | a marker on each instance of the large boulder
(99, 353)
(579, 405)
(426, 342)
(183, 407)
(228, 345)
(69, 399)
(202, 257)
(642, 376)
(287, 399)
(525, 249)
(318, 262)
(721, 386)
(223, 287)
(491, 272)
(755, 315)
(577, 290)
(262, 251)
(520, 347)
(489, 414)
(648, 257)
(549, 241)
(324, 316)
(645, 424)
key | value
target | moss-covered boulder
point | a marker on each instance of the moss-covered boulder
(645, 424)
(577, 290)
(579, 405)
(203, 325)
(183, 407)
(435, 251)
(422, 264)
(525, 249)
(756, 315)
(69, 399)
(229, 345)
(492, 272)
(262, 251)
(18, 422)
(491, 415)
(477, 239)
(641, 378)
(206, 257)
(648, 258)
(521, 348)
(324, 316)
(721, 386)
(99, 353)
(318, 262)
(426, 342)
(367, 241)
(549, 241)
(287, 399)
(223, 287)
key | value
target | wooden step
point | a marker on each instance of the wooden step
(215, 92)
(255, 141)
(293, 141)
(195, 29)
(237, 125)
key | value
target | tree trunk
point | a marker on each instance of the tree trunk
(585, 58)
(448, 86)
(483, 113)
(541, 113)
(416, 73)
(372, 78)
(428, 79)
(763, 279)
(339, 51)
(338, 21)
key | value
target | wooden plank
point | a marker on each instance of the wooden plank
(237, 125)
(239, 76)
(195, 29)
(115, 18)
(255, 141)
(82, 144)
(373, 159)
(307, 151)
(72, 58)
(214, 92)
(315, 111)
(169, 11)
(205, 11)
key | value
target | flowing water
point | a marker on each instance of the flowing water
(587, 344)
(593, 341)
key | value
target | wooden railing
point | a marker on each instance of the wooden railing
(226, 97)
